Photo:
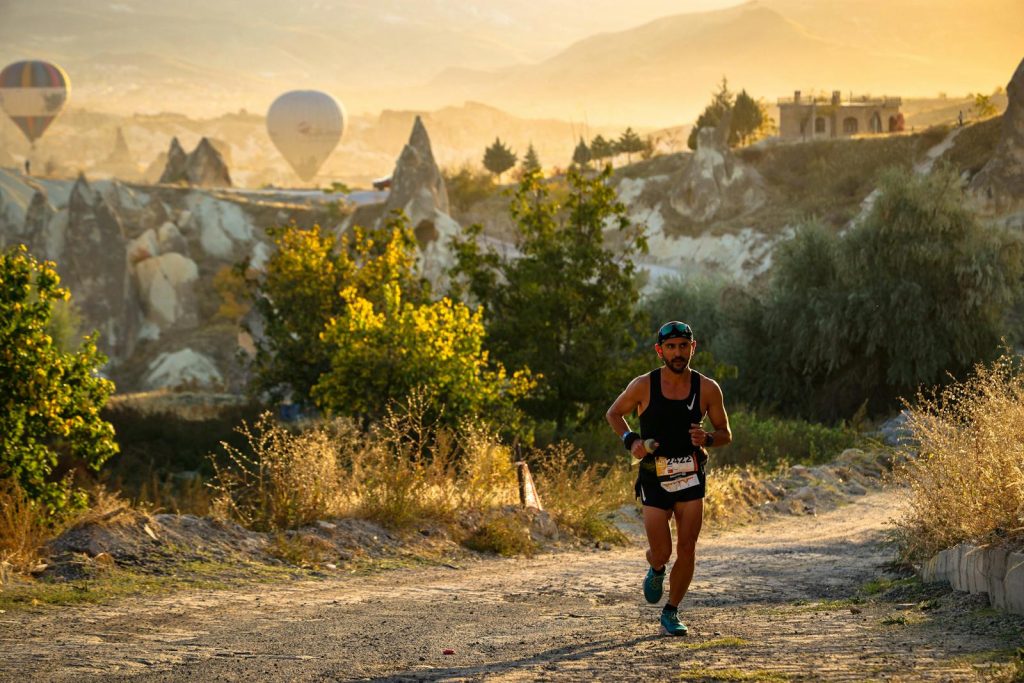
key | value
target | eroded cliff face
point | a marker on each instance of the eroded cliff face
(141, 262)
(999, 186)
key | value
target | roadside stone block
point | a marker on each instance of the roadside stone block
(973, 569)
(995, 576)
(1014, 583)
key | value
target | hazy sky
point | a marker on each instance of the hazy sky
(205, 57)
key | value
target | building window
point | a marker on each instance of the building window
(850, 125)
(819, 124)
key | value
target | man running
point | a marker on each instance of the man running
(672, 402)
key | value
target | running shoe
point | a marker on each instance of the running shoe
(653, 585)
(670, 624)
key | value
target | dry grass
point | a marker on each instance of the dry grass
(23, 531)
(285, 479)
(734, 494)
(405, 470)
(578, 495)
(966, 482)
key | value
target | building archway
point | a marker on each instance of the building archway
(819, 125)
(850, 125)
(875, 123)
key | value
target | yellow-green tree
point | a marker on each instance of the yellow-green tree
(299, 292)
(384, 352)
(50, 399)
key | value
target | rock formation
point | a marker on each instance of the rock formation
(715, 185)
(174, 168)
(418, 189)
(204, 167)
(999, 185)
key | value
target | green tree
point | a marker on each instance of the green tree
(531, 162)
(581, 156)
(384, 352)
(498, 158)
(917, 292)
(748, 117)
(983, 106)
(601, 149)
(51, 398)
(721, 103)
(629, 143)
(566, 307)
(299, 293)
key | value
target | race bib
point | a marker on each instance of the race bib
(681, 483)
(667, 467)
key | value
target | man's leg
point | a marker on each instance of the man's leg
(689, 517)
(659, 538)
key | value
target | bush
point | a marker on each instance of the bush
(383, 354)
(52, 398)
(966, 480)
(767, 442)
(467, 187)
(507, 535)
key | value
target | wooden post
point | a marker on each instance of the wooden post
(528, 497)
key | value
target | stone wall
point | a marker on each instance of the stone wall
(998, 572)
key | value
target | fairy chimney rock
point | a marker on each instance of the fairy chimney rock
(999, 186)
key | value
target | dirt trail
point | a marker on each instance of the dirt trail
(755, 606)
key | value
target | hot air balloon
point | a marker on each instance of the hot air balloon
(33, 94)
(305, 126)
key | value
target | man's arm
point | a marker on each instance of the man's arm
(719, 419)
(627, 402)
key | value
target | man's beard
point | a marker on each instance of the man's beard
(678, 365)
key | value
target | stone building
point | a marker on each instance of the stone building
(806, 118)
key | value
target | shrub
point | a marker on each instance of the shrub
(767, 442)
(51, 398)
(467, 187)
(507, 535)
(386, 352)
(966, 480)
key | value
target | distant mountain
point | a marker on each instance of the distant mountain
(665, 70)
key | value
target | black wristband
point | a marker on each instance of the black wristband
(628, 439)
(709, 440)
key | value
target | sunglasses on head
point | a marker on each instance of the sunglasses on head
(674, 329)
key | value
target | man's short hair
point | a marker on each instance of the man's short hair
(674, 329)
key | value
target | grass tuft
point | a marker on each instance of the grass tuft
(965, 482)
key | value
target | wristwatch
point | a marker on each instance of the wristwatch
(709, 440)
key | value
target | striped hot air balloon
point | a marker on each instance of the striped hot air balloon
(33, 93)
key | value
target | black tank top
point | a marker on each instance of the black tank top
(668, 421)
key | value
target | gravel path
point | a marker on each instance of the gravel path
(767, 603)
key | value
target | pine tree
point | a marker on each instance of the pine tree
(582, 156)
(498, 158)
(601, 149)
(747, 117)
(721, 102)
(629, 142)
(531, 162)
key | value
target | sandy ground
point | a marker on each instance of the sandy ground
(763, 603)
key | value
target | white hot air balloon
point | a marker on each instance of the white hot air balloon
(305, 126)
